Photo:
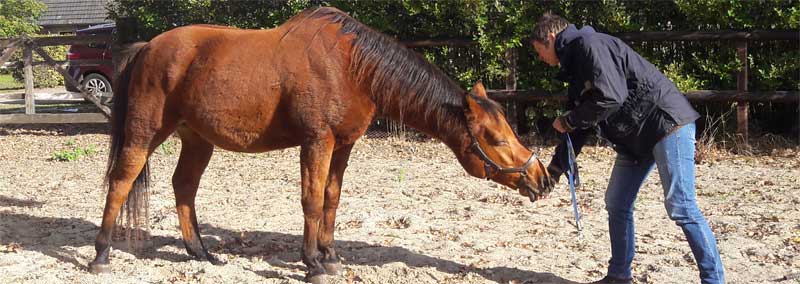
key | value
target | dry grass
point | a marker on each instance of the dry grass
(716, 143)
(709, 145)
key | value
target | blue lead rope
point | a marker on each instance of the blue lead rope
(574, 182)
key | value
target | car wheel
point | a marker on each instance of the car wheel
(98, 86)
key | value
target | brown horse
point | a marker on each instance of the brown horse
(317, 82)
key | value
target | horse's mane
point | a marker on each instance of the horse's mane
(397, 77)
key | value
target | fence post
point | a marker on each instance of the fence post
(69, 80)
(516, 109)
(742, 107)
(27, 59)
(127, 32)
(9, 49)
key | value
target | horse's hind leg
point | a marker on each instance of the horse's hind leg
(330, 260)
(195, 154)
(128, 165)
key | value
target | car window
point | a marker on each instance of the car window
(97, 45)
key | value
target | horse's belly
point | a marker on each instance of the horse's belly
(243, 129)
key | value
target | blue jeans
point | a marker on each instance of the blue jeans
(674, 156)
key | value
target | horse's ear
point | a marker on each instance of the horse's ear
(478, 89)
(474, 112)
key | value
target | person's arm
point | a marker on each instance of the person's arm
(603, 90)
(559, 162)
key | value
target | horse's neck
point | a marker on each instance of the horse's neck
(454, 134)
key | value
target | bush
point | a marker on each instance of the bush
(497, 26)
(43, 76)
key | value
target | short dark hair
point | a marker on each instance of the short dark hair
(548, 23)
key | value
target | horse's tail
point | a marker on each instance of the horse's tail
(134, 212)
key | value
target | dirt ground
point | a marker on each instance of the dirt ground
(409, 214)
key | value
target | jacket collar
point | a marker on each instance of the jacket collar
(563, 39)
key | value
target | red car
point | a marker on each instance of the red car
(94, 77)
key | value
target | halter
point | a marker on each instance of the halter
(488, 164)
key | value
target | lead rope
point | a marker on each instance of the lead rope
(573, 183)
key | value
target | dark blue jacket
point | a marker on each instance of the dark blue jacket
(613, 87)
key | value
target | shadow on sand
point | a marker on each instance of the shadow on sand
(54, 237)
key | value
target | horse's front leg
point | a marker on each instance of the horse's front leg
(195, 154)
(315, 160)
(330, 260)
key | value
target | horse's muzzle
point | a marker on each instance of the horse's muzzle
(535, 189)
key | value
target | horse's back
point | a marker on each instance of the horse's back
(254, 90)
(207, 77)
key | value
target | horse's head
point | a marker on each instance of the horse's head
(494, 145)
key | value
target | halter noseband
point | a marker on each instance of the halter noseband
(488, 164)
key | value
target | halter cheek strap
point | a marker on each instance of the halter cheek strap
(488, 164)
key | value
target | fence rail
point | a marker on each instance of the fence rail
(742, 96)
(758, 35)
(695, 96)
(31, 45)
(740, 39)
(60, 40)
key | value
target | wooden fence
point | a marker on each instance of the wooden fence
(519, 99)
(742, 96)
(31, 45)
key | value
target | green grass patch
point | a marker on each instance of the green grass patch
(8, 83)
(73, 153)
(168, 147)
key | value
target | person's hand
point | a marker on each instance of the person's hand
(559, 125)
(555, 173)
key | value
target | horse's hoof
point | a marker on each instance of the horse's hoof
(216, 261)
(315, 279)
(98, 268)
(333, 268)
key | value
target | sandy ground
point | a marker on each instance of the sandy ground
(409, 214)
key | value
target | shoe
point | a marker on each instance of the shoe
(612, 280)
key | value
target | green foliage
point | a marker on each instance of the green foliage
(18, 17)
(73, 153)
(498, 26)
(684, 82)
(7, 82)
(168, 147)
(44, 76)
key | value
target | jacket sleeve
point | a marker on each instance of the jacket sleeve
(558, 163)
(603, 87)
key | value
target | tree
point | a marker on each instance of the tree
(497, 26)
(18, 17)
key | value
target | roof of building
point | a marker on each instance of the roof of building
(74, 12)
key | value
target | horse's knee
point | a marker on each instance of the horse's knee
(331, 205)
(184, 186)
(314, 214)
(312, 207)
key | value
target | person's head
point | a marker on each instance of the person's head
(544, 36)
